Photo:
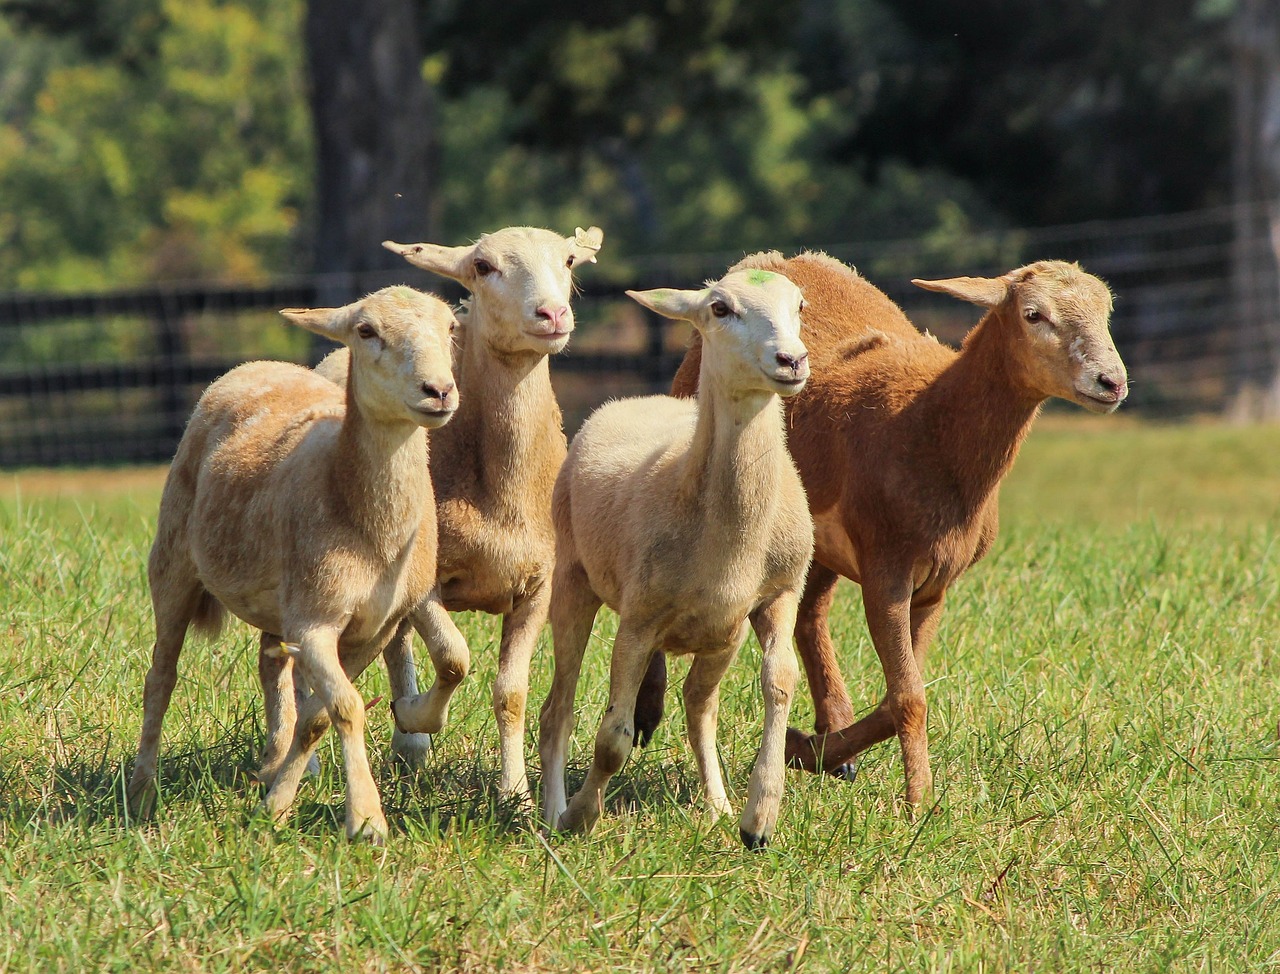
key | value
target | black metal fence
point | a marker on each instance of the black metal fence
(110, 378)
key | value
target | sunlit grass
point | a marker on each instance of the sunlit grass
(1103, 729)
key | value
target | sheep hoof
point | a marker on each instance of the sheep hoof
(142, 799)
(845, 772)
(753, 841)
(370, 831)
(412, 750)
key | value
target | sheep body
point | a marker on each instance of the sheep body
(305, 509)
(493, 469)
(902, 443)
(690, 521)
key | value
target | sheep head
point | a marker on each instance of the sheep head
(520, 279)
(750, 326)
(1059, 316)
(400, 353)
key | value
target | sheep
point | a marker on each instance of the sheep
(305, 509)
(902, 443)
(493, 468)
(689, 520)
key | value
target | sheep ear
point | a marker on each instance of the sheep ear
(585, 244)
(453, 262)
(671, 303)
(333, 323)
(986, 291)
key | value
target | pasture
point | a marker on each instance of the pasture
(1103, 729)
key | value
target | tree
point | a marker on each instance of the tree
(373, 127)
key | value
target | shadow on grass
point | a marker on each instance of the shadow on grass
(449, 793)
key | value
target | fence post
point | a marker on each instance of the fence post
(171, 343)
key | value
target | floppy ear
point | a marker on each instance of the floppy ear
(453, 262)
(985, 291)
(671, 303)
(585, 244)
(332, 323)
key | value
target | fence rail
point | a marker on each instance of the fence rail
(111, 377)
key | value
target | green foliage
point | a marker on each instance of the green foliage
(192, 163)
(1102, 726)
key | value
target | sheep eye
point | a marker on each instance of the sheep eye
(569, 263)
(803, 305)
(1032, 315)
(720, 309)
(366, 330)
(483, 267)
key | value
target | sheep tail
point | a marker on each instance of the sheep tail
(209, 616)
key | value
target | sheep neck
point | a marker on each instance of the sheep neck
(379, 476)
(506, 412)
(983, 411)
(738, 438)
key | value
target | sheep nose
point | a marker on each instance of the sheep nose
(553, 315)
(1117, 387)
(792, 362)
(437, 392)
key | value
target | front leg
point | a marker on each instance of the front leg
(702, 716)
(419, 715)
(334, 700)
(774, 623)
(520, 629)
(616, 736)
(402, 677)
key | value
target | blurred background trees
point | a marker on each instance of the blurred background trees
(147, 140)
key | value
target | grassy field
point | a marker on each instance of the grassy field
(1103, 730)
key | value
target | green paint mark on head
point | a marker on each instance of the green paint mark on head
(760, 278)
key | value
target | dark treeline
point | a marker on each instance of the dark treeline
(154, 139)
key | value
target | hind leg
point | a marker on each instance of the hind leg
(176, 598)
(275, 671)
(573, 611)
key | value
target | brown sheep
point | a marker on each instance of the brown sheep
(902, 444)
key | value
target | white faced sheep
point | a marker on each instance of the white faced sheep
(689, 520)
(305, 509)
(902, 444)
(493, 468)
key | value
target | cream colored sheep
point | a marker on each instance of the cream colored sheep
(688, 520)
(306, 510)
(493, 468)
(902, 444)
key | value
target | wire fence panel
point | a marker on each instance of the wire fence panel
(111, 378)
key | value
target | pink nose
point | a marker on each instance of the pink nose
(555, 316)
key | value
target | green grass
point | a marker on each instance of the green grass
(1103, 731)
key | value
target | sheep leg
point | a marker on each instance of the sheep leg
(832, 707)
(774, 623)
(650, 700)
(614, 740)
(830, 751)
(426, 713)
(520, 628)
(171, 632)
(402, 674)
(573, 612)
(275, 672)
(889, 618)
(333, 697)
(702, 717)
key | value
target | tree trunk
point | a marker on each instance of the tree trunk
(371, 111)
(1256, 189)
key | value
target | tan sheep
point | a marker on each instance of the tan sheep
(689, 520)
(493, 468)
(902, 444)
(305, 509)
